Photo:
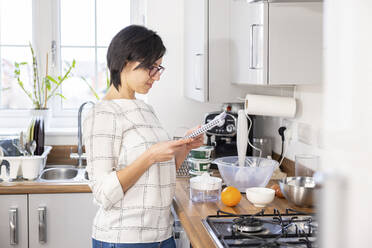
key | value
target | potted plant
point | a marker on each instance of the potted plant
(43, 88)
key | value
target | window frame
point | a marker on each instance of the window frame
(45, 30)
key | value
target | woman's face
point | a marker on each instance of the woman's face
(139, 80)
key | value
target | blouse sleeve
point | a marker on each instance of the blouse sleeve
(102, 139)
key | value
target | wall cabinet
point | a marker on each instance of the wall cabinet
(206, 52)
(276, 42)
(234, 47)
(50, 220)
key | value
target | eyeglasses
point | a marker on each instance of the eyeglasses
(156, 69)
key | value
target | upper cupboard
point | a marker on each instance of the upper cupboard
(233, 46)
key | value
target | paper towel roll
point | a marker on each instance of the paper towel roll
(270, 105)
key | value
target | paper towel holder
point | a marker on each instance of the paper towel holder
(276, 106)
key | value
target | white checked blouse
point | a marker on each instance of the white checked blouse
(116, 132)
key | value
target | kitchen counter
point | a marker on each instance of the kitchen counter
(35, 187)
(191, 214)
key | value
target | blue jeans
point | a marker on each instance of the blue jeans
(169, 243)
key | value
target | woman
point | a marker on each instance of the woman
(131, 159)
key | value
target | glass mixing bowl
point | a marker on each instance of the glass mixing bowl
(256, 171)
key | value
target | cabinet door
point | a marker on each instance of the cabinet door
(61, 220)
(196, 49)
(249, 41)
(13, 221)
(296, 43)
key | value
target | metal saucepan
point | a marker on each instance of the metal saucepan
(298, 190)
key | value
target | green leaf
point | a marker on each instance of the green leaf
(73, 63)
(4, 89)
(23, 63)
(62, 96)
(52, 79)
(47, 84)
(91, 88)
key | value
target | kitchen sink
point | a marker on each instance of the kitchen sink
(64, 174)
(59, 173)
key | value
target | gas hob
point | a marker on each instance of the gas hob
(289, 229)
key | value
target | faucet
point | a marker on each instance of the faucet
(79, 155)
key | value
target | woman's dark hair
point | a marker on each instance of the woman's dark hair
(133, 43)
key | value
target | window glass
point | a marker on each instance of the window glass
(87, 41)
(77, 23)
(112, 16)
(76, 89)
(15, 35)
(15, 22)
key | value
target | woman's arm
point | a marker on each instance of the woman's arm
(160, 152)
(103, 139)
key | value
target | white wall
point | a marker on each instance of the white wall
(174, 110)
(308, 119)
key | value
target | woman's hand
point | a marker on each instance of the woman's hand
(196, 142)
(182, 153)
(165, 151)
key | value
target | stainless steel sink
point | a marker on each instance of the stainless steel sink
(59, 173)
(64, 175)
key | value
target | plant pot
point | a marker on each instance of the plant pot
(45, 113)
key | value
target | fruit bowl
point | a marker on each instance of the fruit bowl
(256, 171)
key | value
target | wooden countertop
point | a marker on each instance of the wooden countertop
(35, 187)
(191, 214)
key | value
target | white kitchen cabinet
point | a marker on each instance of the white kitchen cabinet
(276, 42)
(13, 221)
(196, 49)
(61, 220)
(206, 52)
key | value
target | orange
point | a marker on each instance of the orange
(230, 196)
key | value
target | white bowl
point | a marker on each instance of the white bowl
(260, 196)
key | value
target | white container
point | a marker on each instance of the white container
(199, 164)
(205, 188)
(29, 167)
(203, 152)
(260, 196)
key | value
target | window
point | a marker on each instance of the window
(87, 28)
(15, 34)
(65, 30)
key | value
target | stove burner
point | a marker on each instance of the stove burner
(247, 224)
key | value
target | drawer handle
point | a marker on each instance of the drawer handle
(13, 225)
(42, 224)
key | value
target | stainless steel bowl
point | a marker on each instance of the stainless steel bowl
(298, 190)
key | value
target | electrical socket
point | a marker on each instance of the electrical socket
(305, 133)
(291, 131)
